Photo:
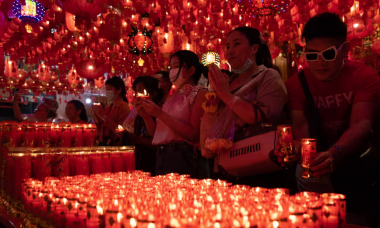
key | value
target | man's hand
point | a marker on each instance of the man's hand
(280, 155)
(322, 164)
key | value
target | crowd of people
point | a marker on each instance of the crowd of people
(334, 100)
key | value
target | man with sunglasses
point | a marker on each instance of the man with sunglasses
(343, 101)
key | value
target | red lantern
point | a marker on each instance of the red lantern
(357, 28)
(90, 69)
(84, 10)
(73, 77)
(113, 27)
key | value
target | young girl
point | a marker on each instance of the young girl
(76, 112)
(178, 122)
(145, 152)
(114, 113)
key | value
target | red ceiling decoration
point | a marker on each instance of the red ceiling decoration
(112, 35)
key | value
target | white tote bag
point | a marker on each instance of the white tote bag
(249, 154)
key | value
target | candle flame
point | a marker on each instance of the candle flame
(116, 202)
(276, 224)
(119, 217)
(151, 225)
(99, 209)
(133, 222)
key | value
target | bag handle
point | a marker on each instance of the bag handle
(315, 129)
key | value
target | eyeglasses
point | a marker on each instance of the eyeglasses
(328, 54)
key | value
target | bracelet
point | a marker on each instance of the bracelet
(105, 118)
(336, 148)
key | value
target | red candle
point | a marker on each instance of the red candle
(43, 135)
(42, 166)
(54, 135)
(89, 133)
(28, 131)
(64, 135)
(22, 170)
(10, 134)
(60, 165)
(97, 165)
(308, 152)
(129, 161)
(18, 134)
(117, 162)
(107, 162)
(82, 165)
(77, 135)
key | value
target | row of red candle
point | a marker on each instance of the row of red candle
(39, 166)
(30, 134)
(138, 200)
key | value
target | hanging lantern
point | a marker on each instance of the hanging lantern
(140, 42)
(140, 62)
(211, 57)
(90, 69)
(32, 11)
(84, 11)
(113, 27)
(263, 8)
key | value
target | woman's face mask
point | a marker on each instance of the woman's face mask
(245, 67)
(110, 95)
(177, 81)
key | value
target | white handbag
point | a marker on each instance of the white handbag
(249, 154)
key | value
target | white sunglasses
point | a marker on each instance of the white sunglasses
(328, 54)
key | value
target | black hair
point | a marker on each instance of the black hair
(80, 106)
(151, 85)
(227, 72)
(165, 75)
(118, 83)
(325, 25)
(190, 59)
(263, 56)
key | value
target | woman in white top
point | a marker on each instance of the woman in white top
(178, 122)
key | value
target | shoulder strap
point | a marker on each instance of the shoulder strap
(315, 124)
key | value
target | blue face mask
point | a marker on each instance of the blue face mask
(246, 66)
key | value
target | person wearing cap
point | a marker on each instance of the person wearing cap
(45, 112)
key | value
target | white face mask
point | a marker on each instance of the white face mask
(173, 74)
(247, 65)
(110, 95)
